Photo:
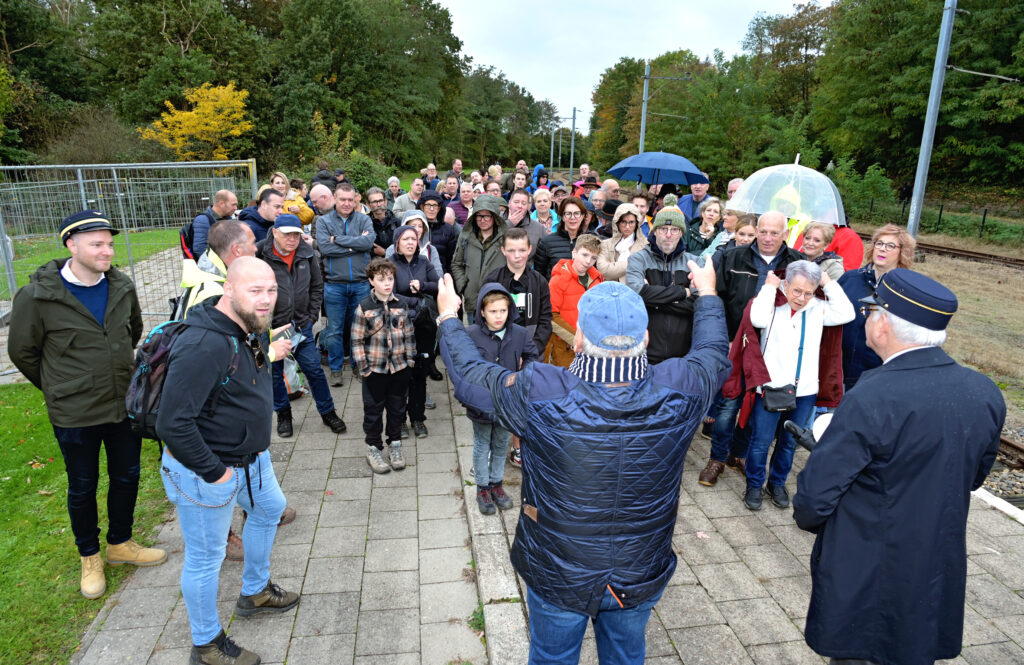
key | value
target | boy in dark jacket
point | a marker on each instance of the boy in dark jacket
(384, 350)
(505, 343)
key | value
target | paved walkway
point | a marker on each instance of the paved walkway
(391, 568)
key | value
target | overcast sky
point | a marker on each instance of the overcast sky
(558, 51)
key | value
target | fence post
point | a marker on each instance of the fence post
(984, 215)
(252, 176)
(7, 255)
(939, 222)
(871, 208)
(81, 189)
(124, 220)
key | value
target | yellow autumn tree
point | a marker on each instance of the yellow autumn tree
(213, 120)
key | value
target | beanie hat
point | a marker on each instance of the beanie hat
(671, 200)
(669, 217)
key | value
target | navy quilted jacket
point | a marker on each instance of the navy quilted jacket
(602, 462)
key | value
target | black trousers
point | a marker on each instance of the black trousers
(384, 392)
(80, 447)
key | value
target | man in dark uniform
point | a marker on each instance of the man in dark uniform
(887, 489)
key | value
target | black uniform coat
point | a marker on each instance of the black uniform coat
(887, 490)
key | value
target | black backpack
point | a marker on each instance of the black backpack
(187, 236)
(147, 383)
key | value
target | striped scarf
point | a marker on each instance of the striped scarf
(609, 370)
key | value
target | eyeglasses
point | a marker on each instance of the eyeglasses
(374, 202)
(865, 310)
(253, 343)
(431, 204)
(572, 214)
(887, 246)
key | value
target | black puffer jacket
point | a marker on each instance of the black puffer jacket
(552, 248)
(300, 291)
(740, 275)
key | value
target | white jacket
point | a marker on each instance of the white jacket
(780, 342)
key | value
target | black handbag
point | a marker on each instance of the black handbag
(783, 398)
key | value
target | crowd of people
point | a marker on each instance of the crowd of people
(554, 279)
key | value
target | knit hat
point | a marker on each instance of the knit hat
(669, 216)
(85, 220)
(611, 310)
(671, 200)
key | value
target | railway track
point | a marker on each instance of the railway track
(1011, 452)
(963, 253)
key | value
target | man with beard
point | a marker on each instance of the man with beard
(216, 454)
(384, 221)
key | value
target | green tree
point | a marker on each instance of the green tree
(612, 96)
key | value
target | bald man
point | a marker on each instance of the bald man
(225, 203)
(215, 422)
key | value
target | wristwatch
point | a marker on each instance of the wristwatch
(447, 314)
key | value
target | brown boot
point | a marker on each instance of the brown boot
(737, 463)
(235, 551)
(131, 552)
(94, 583)
(709, 476)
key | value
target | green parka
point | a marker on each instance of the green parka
(474, 257)
(82, 368)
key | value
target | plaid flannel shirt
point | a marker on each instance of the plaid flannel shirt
(383, 339)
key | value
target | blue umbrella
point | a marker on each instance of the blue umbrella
(658, 167)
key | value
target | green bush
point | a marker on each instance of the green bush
(364, 171)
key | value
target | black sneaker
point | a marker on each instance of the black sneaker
(272, 599)
(420, 428)
(332, 420)
(222, 651)
(752, 499)
(502, 500)
(284, 422)
(484, 501)
(778, 495)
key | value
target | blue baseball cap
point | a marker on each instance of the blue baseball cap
(85, 220)
(915, 298)
(612, 309)
(288, 223)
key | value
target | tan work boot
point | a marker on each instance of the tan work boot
(94, 583)
(131, 552)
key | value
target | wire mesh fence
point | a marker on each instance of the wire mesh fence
(148, 203)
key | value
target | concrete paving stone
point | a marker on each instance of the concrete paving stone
(390, 591)
(709, 645)
(229, 583)
(683, 574)
(388, 631)
(447, 601)
(443, 643)
(465, 454)
(348, 489)
(691, 519)
(798, 541)
(588, 650)
(327, 613)
(392, 498)
(685, 499)
(390, 659)
(697, 550)
(176, 632)
(790, 653)
(662, 660)
(1002, 653)
(658, 642)
(724, 503)
(339, 541)
(973, 568)
(759, 621)
(316, 441)
(443, 533)
(166, 574)
(392, 524)
(1012, 626)
(1007, 567)
(344, 513)
(351, 467)
(479, 523)
(281, 453)
(771, 515)
(322, 650)
(979, 630)
(686, 606)
(508, 639)
(331, 575)
(132, 646)
(1011, 544)
(441, 507)
(744, 531)
(959, 660)
(306, 501)
(311, 459)
(175, 656)
(265, 634)
(771, 561)
(729, 581)
(496, 578)
(305, 479)
(435, 484)
(404, 478)
(289, 560)
(435, 443)
(302, 530)
(991, 598)
(793, 594)
(350, 448)
(389, 555)
(979, 542)
(138, 608)
(993, 522)
(444, 565)
(437, 462)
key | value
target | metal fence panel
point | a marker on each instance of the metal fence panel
(149, 203)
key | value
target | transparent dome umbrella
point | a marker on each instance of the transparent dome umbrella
(801, 194)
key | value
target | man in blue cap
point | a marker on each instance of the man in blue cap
(887, 489)
(73, 331)
(603, 446)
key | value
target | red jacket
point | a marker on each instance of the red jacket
(566, 290)
(749, 371)
(846, 243)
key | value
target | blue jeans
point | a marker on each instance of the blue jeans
(308, 358)
(341, 300)
(204, 511)
(763, 425)
(725, 438)
(80, 447)
(489, 445)
(556, 635)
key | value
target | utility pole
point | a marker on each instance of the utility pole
(551, 161)
(643, 115)
(572, 145)
(931, 116)
(559, 144)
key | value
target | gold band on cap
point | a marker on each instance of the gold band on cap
(71, 227)
(910, 300)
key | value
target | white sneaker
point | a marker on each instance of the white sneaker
(395, 456)
(376, 460)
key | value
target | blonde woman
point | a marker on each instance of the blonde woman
(293, 200)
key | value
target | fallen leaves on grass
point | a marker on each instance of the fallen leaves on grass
(45, 493)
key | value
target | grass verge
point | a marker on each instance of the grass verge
(44, 615)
